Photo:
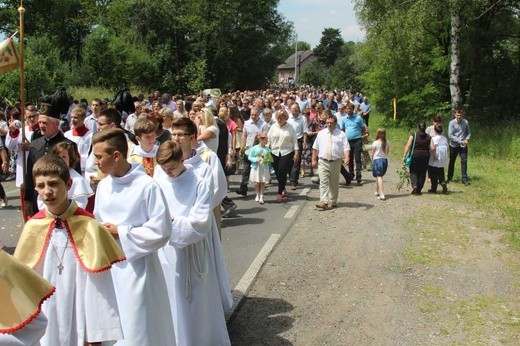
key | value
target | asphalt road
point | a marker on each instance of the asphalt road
(245, 233)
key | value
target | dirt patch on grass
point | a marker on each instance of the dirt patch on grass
(406, 271)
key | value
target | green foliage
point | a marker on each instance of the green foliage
(315, 74)
(171, 45)
(330, 46)
(408, 53)
(44, 71)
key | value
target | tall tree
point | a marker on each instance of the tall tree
(330, 46)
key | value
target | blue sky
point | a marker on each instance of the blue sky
(310, 17)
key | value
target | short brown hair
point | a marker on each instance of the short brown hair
(143, 126)
(80, 111)
(115, 139)
(169, 151)
(71, 149)
(187, 123)
(112, 116)
(51, 164)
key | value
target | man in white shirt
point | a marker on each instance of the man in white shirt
(92, 120)
(329, 149)
(132, 118)
(252, 128)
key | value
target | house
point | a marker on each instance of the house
(286, 71)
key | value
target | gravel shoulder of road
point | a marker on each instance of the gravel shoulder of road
(406, 271)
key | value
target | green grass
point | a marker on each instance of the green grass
(458, 230)
(493, 168)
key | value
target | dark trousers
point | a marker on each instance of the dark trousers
(463, 152)
(418, 170)
(436, 175)
(282, 166)
(356, 146)
(246, 171)
(295, 171)
(2, 192)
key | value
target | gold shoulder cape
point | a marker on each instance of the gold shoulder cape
(22, 292)
(95, 248)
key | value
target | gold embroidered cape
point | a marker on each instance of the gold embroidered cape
(22, 292)
(95, 248)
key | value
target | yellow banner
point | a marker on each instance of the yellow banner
(395, 108)
(8, 56)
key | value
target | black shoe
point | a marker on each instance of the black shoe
(444, 189)
(241, 192)
(358, 179)
(432, 191)
(348, 182)
(465, 182)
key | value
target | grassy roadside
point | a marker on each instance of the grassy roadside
(493, 168)
(462, 244)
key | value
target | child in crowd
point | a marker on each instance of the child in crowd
(380, 150)
(80, 190)
(144, 153)
(260, 157)
(74, 252)
(438, 159)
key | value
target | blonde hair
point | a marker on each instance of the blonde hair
(206, 115)
(223, 113)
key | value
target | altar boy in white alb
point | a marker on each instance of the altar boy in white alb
(132, 207)
(71, 250)
(189, 262)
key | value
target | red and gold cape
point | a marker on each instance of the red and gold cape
(22, 292)
(95, 248)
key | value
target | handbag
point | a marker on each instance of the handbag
(408, 158)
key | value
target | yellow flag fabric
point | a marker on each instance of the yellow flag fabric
(8, 56)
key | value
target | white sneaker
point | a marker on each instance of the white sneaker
(376, 194)
(382, 197)
(261, 201)
(257, 198)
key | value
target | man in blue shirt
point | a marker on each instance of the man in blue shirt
(459, 134)
(365, 108)
(354, 127)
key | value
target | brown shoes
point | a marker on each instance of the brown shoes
(333, 204)
(322, 206)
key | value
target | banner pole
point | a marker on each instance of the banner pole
(21, 11)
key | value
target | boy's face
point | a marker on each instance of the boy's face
(77, 120)
(53, 192)
(147, 140)
(173, 168)
(105, 161)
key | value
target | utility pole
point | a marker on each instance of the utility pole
(295, 58)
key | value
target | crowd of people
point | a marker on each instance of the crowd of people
(126, 208)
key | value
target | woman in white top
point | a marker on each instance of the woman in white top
(380, 150)
(284, 148)
(208, 129)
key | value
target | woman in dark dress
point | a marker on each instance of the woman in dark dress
(420, 157)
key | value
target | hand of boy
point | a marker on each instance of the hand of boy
(112, 229)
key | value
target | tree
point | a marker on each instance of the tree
(436, 55)
(330, 46)
(315, 74)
